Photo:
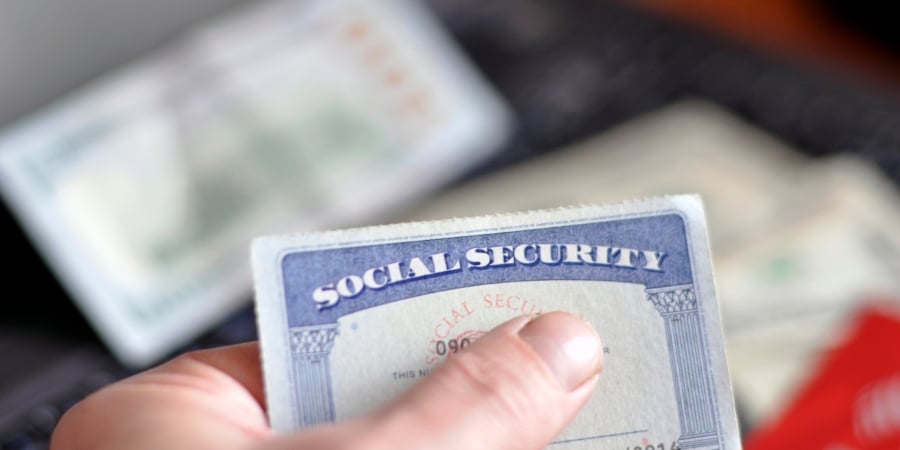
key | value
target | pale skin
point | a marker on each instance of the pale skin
(515, 388)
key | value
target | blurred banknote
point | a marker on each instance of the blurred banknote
(691, 146)
(143, 190)
(349, 319)
(787, 296)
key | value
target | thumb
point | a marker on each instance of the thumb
(515, 388)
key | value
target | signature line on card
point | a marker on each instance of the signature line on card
(599, 436)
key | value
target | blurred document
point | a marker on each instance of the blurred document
(350, 319)
(143, 190)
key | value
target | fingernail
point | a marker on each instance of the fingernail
(568, 345)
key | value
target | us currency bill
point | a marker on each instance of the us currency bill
(143, 190)
(350, 319)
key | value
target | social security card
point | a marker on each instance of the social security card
(350, 319)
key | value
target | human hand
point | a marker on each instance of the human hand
(517, 387)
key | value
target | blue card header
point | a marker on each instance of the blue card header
(323, 285)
